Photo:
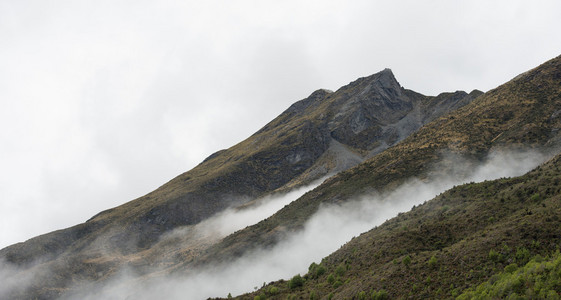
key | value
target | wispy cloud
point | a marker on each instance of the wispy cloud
(325, 232)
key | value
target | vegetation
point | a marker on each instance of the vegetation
(296, 282)
(538, 279)
(457, 251)
(432, 262)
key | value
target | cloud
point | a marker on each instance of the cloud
(325, 232)
(232, 219)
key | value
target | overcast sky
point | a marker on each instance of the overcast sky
(104, 101)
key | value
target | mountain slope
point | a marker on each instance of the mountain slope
(323, 134)
(453, 242)
(522, 113)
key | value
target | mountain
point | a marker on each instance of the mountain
(463, 237)
(522, 113)
(370, 137)
(321, 135)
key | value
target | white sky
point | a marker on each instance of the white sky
(104, 101)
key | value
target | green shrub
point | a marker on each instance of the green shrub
(312, 268)
(511, 268)
(535, 197)
(432, 262)
(313, 295)
(273, 290)
(337, 284)
(454, 293)
(522, 255)
(330, 279)
(320, 270)
(315, 270)
(340, 270)
(295, 282)
(406, 260)
(493, 255)
(380, 295)
(361, 295)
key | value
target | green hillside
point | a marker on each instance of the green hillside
(464, 236)
(467, 236)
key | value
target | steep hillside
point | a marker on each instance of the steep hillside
(522, 113)
(464, 237)
(326, 133)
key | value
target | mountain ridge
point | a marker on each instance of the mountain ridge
(325, 133)
(523, 112)
(411, 157)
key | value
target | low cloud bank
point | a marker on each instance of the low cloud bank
(330, 228)
(325, 232)
(16, 280)
(233, 219)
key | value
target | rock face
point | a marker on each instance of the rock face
(323, 134)
(378, 102)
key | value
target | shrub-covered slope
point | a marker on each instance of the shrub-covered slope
(539, 278)
(470, 235)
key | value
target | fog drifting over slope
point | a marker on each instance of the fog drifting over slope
(325, 232)
(233, 219)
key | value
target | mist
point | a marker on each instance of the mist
(236, 218)
(228, 221)
(16, 280)
(330, 228)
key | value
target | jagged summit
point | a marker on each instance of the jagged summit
(379, 86)
(386, 79)
(383, 79)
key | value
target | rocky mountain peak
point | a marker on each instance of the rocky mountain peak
(381, 88)
(386, 79)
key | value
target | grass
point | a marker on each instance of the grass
(515, 218)
(432, 252)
